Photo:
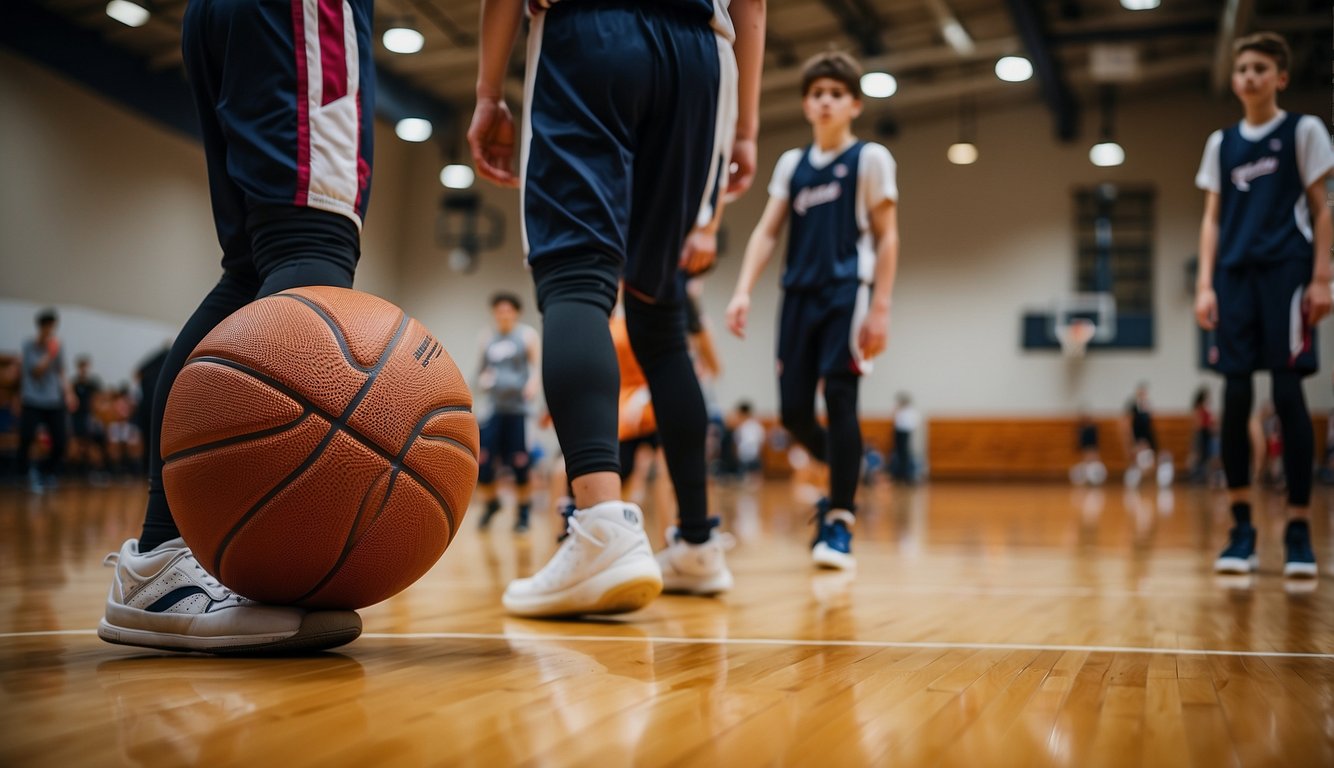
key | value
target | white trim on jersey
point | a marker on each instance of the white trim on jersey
(536, 24)
(1296, 323)
(860, 310)
(724, 130)
(1301, 213)
(335, 128)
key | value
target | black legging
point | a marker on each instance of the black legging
(1298, 436)
(840, 446)
(292, 247)
(55, 420)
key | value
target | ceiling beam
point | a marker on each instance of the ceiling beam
(1120, 31)
(860, 22)
(906, 61)
(1236, 19)
(1031, 23)
(955, 35)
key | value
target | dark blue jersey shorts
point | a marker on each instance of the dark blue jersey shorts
(624, 141)
(1261, 322)
(285, 93)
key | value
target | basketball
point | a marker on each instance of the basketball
(320, 449)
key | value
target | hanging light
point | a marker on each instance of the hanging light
(414, 129)
(1014, 69)
(1139, 5)
(403, 37)
(879, 85)
(457, 176)
(1107, 153)
(128, 13)
(964, 151)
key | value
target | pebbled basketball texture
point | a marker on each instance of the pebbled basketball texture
(320, 449)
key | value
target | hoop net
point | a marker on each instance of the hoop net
(1075, 335)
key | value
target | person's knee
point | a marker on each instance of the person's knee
(657, 331)
(583, 278)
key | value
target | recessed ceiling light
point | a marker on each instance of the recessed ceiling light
(413, 129)
(128, 13)
(456, 176)
(879, 85)
(1014, 69)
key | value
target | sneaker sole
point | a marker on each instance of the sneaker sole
(1300, 571)
(685, 585)
(605, 593)
(827, 557)
(318, 632)
(1234, 565)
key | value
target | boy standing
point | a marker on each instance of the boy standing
(1264, 282)
(507, 374)
(633, 113)
(841, 195)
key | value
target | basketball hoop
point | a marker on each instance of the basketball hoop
(1075, 335)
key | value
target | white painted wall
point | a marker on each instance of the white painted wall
(105, 211)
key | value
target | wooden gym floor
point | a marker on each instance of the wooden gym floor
(1017, 625)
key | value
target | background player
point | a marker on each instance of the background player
(1264, 283)
(511, 356)
(614, 177)
(840, 194)
(289, 169)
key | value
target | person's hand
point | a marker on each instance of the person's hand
(1206, 307)
(699, 253)
(1317, 301)
(737, 311)
(742, 169)
(491, 139)
(530, 389)
(873, 336)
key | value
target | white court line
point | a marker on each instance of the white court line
(775, 641)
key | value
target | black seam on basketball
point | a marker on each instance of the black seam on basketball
(229, 441)
(312, 407)
(395, 467)
(338, 425)
(351, 432)
(349, 544)
(333, 326)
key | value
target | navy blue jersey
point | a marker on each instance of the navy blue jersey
(1262, 198)
(825, 244)
(712, 11)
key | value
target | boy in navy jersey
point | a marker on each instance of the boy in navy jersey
(633, 112)
(840, 194)
(1264, 283)
(286, 99)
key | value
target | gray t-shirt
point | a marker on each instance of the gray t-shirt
(42, 391)
(505, 369)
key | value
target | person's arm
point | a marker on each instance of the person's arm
(534, 383)
(1206, 303)
(759, 249)
(1317, 293)
(491, 135)
(873, 336)
(705, 352)
(748, 20)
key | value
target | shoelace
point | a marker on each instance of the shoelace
(572, 525)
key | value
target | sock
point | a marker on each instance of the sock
(1241, 514)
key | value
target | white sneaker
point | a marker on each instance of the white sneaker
(695, 569)
(165, 599)
(604, 565)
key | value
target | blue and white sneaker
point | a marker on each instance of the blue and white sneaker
(1239, 556)
(1300, 560)
(833, 538)
(164, 599)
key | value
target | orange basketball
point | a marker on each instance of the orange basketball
(320, 449)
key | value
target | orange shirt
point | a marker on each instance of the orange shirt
(636, 418)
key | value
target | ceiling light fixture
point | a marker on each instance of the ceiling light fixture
(879, 85)
(128, 13)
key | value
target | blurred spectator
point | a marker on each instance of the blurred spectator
(46, 398)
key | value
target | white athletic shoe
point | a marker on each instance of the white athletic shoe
(696, 569)
(604, 565)
(165, 599)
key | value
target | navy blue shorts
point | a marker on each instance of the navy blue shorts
(504, 440)
(816, 331)
(1261, 325)
(619, 152)
(286, 96)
